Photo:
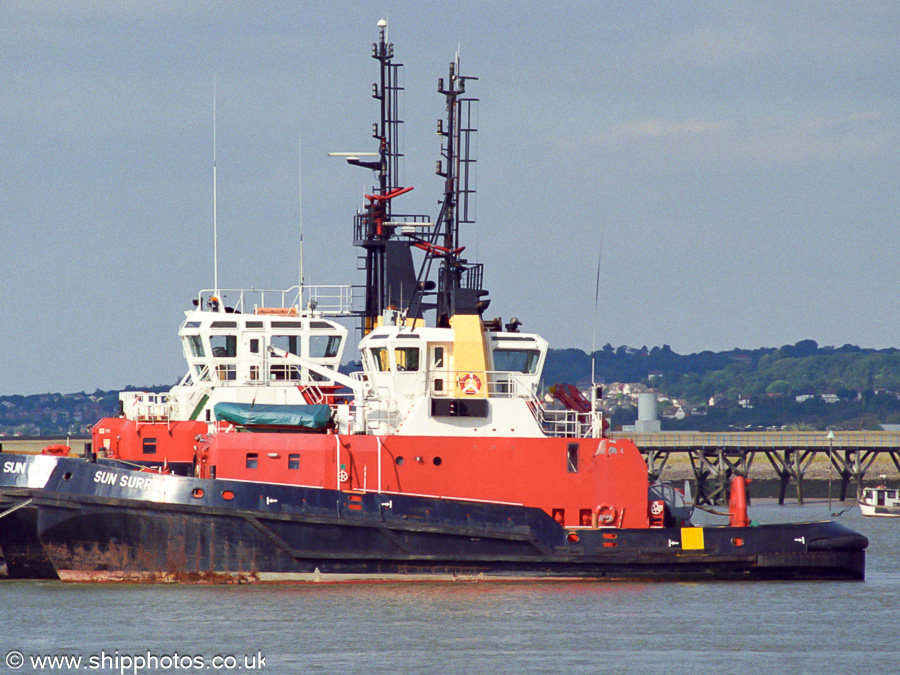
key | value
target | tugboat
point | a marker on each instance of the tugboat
(438, 461)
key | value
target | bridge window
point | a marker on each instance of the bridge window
(290, 344)
(294, 461)
(223, 346)
(149, 446)
(380, 357)
(324, 346)
(195, 344)
(252, 460)
(516, 360)
(407, 358)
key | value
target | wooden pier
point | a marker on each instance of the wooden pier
(716, 457)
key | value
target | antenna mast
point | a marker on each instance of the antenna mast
(390, 273)
(393, 288)
(300, 216)
(459, 282)
(215, 201)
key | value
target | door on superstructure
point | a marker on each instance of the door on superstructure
(253, 356)
(439, 370)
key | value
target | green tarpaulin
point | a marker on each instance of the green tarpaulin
(258, 415)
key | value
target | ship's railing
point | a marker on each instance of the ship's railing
(569, 423)
(326, 300)
(261, 372)
(382, 417)
(498, 384)
(147, 406)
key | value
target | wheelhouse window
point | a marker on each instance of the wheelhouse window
(407, 359)
(289, 343)
(195, 346)
(517, 360)
(292, 345)
(223, 346)
(149, 446)
(324, 346)
(380, 357)
(294, 461)
(252, 460)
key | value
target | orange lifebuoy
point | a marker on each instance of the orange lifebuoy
(469, 383)
(604, 514)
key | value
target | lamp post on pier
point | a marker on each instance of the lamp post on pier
(830, 437)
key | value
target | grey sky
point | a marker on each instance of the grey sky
(739, 163)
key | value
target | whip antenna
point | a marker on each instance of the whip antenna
(595, 431)
(596, 312)
(215, 202)
(300, 215)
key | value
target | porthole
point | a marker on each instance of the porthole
(399, 461)
(437, 461)
(67, 475)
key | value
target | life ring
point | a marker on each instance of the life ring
(604, 514)
(469, 383)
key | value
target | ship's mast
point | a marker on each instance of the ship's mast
(387, 239)
(374, 229)
(459, 281)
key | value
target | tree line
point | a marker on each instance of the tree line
(801, 384)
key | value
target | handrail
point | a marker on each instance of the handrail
(320, 300)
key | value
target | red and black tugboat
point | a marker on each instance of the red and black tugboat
(438, 460)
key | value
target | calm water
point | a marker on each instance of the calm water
(469, 627)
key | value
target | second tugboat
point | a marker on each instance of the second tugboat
(438, 460)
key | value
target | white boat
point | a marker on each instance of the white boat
(880, 501)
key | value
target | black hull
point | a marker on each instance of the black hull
(215, 530)
(22, 551)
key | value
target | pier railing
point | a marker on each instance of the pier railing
(766, 439)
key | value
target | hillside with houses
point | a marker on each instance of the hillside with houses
(800, 386)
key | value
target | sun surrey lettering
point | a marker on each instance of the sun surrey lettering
(13, 467)
(125, 481)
